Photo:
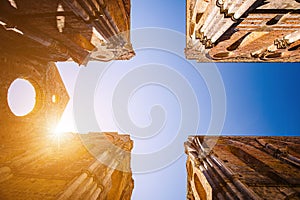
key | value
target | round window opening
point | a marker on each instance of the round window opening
(21, 97)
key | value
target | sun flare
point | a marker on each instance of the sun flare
(66, 123)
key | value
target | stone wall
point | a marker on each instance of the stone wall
(35, 161)
(243, 167)
(243, 31)
(46, 113)
(62, 30)
(63, 167)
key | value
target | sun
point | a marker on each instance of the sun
(59, 133)
(65, 125)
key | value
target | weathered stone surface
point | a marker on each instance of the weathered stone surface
(35, 34)
(61, 167)
(34, 162)
(243, 167)
(59, 30)
(48, 84)
(243, 31)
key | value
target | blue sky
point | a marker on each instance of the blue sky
(262, 99)
(172, 98)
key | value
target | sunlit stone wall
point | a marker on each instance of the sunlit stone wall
(243, 31)
(61, 166)
(243, 167)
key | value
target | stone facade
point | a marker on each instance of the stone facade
(243, 30)
(243, 167)
(36, 162)
(61, 167)
(46, 113)
(59, 30)
(35, 34)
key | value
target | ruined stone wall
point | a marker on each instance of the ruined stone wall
(35, 34)
(62, 167)
(243, 167)
(46, 113)
(243, 31)
(36, 162)
(62, 30)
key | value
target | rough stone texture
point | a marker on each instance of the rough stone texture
(34, 162)
(243, 30)
(35, 34)
(47, 82)
(61, 167)
(59, 30)
(243, 167)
